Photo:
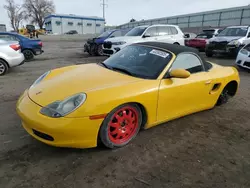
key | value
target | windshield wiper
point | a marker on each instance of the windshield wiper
(123, 70)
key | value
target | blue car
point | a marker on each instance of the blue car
(94, 45)
(29, 47)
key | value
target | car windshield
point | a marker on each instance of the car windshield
(204, 36)
(139, 61)
(237, 31)
(209, 31)
(105, 34)
(137, 31)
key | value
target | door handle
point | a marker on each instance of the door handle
(208, 82)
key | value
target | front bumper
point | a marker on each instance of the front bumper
(59, 132)
(223, 48)
(110, 49)
(243, 61)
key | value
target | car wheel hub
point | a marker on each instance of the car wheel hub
(2, 68)
(123, 125)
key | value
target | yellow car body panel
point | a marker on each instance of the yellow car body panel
(162, 99)
(67, 132)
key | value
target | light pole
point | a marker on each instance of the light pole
(104, 5)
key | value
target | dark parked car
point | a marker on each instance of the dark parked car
(29, 47)
(94, 45)
(72, 32)
(229, 41)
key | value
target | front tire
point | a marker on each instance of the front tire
(121, 126)
(99, 51)
(28, 54)
(3, 67)
(92, 50)
(209, 53)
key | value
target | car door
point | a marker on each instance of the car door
(179, 97)
(165, 34)
(151, 34)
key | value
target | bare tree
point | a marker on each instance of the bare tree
(15, 13)
(37, 10)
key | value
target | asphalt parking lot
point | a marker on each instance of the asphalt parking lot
(207, 149)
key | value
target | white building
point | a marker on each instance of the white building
(62, 23)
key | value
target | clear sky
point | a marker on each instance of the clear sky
(121, 11)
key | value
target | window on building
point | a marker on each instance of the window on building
(89, 24)
(70, 23)
(58, 23)
(79, 23)
(48, 23)
(98, 25)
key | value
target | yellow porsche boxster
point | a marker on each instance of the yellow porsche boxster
(142, 85)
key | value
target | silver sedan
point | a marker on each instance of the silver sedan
(10, 55)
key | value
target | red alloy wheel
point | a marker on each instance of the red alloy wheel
(123, 125)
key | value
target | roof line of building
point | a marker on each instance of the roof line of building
(193, 14)
(73, 17)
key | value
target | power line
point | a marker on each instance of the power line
(104, 5)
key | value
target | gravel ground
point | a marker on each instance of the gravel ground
(207, 149)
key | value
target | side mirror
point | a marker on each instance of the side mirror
(179, 73)
(146, 35)
(216, 35)
(187, 36)
(248, 36)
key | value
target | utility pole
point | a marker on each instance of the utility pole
(104, 5)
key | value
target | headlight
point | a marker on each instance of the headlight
(119, 43)
(235, 42)
(59, 109)
(243, 51)
(40, 78)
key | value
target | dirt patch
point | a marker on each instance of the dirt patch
(207, 149)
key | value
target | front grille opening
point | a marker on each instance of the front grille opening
(110, 52)
(107, 45)
(239, 62)
(43, 135)
(247, 64)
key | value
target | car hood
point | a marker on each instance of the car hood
(64, 82)
(100, 40)
(224, 38)
(124, 38)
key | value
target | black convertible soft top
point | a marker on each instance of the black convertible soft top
(176, 49)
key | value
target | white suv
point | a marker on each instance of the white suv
(159, 33)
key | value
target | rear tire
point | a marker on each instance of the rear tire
(121, 126)
(224, 97)
(3, 67)
(28, 54)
